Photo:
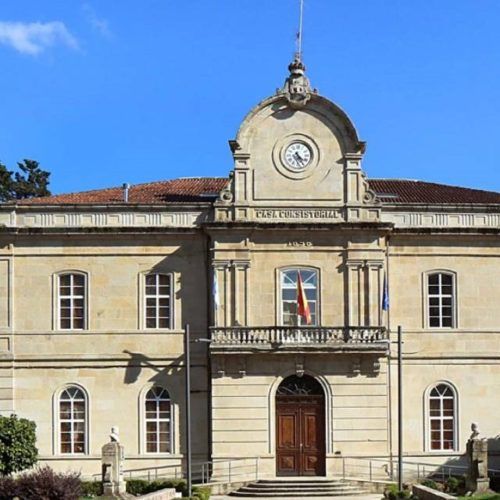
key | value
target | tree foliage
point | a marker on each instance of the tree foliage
(29, 181)
(17, 444)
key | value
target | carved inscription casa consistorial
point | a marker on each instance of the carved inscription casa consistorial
(275, 213)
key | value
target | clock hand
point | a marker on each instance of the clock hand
(299, 158)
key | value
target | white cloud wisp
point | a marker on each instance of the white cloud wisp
(34, 38)
(98, 23)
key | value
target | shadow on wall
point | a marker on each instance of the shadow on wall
(458, 466)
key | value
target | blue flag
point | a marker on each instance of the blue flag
(215, 291)
(385, 295)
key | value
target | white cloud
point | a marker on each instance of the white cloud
(98, 23)
(34, 38)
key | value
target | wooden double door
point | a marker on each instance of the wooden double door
(300, 436)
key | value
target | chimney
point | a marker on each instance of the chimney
(126, 187)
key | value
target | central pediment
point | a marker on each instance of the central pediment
(297, 157)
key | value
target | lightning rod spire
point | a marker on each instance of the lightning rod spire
(298, 54)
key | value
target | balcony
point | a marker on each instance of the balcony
(370, 339)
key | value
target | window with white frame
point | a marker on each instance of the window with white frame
(72, 301)
(442, 418)
(158, 420)
(158, 301)
(441, 300)
(289, 278)
(72, 410)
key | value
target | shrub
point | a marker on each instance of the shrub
(201, 492)
(392, 493)
(7, 488)
(45, 484)
(17, 444)
(142, 487)
(91, 489)
(455, 485)
(430, 484)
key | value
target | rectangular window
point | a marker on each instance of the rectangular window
(157, 299)
(72, 301)
(440, 295)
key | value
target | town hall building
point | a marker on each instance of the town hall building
(96, 289)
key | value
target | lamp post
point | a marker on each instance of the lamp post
(400, 409)
(187, 384)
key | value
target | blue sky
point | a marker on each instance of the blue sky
(102, 92)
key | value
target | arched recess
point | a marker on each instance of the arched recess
(66, 394)
(328, 409)
(142, 420)
(436, 389)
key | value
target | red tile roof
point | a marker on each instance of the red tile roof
(161, 192)
(404, 191)
(205, 189)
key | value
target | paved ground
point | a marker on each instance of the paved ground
(370, 496)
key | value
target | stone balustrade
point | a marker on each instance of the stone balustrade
(364, 338)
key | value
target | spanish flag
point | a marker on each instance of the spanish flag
(303, 310)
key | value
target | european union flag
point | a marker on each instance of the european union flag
(385, 295)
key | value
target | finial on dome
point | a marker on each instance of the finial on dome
(297, 88)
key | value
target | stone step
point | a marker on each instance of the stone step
(298, 494)
(300, 487)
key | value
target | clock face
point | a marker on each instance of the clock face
(298, 155)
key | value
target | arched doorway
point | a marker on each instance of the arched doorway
(300, 427)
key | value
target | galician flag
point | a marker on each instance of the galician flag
(303, 310)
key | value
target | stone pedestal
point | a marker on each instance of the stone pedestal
(112, 470)
(477, 477)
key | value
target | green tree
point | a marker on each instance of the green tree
(17, 444)
(28, 182)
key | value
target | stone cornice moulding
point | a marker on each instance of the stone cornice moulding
(56, 217)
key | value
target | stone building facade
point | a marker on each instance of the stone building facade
(96, 287)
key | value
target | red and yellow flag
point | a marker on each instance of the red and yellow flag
(303, 310)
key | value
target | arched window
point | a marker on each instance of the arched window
(289, 278)
(72, 410)
(158, 300)
(442, 415)
(441, 300)
(72, 301)
(158, 420)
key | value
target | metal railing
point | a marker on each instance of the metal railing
(285, 335)
(219, 471)
(229, 471)
(378, 469)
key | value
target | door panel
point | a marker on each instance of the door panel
(313, 438)
(288, 440)
(300, 436)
